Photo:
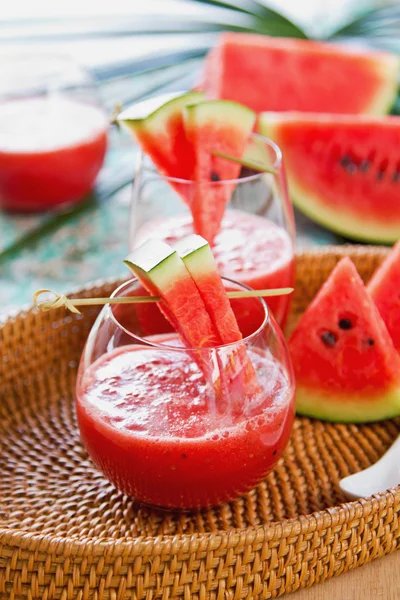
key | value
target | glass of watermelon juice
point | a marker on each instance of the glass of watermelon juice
(255, 243)
(163, 423)
(53, 132)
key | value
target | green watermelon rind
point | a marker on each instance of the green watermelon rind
(157, 120)
(386, 95)
(340, 409)
(225, 111)
(351, 225)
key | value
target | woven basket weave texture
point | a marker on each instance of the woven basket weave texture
(66, 533)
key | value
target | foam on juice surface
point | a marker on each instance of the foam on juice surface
(144, 391)
(47, 124)
(245, 242)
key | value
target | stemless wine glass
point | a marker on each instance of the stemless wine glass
(182, 428)
(53, 131)
(255, 244)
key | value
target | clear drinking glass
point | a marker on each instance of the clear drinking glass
(183, 428)
(53, 131)
(256, 242)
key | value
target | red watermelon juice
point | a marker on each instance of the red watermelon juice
(151, 427)
(51, 150)
(249, 249)
(162, 428)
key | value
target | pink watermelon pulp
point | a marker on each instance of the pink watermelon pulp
(162, 273)
(385, 291)
(224, 127)
(343, 171)
(161, 135)
(279, 74)
(199, 261)
(345, 364)
(236, 370)
(180, 138)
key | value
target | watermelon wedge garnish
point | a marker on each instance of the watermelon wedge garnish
(281, 74)
(163, 273)
(346, 366)
(211, 126)
(236, 370)
(199, 261)
(161, 135)
(343, 170)
(384, 288)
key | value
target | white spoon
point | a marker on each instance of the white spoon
(379, 477)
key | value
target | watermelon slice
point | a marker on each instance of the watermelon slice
(221, 126)
(346, 366)
(163, 273)
(385, 291)
(161, 134)
(343, 171)
(199, 261)
(236, 370)
(279, 74)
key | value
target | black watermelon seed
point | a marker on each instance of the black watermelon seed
(214, 176)
(345, 324)
(382, 169)
(364, 165)
(396, 176)
(274, 452)
(345, 161)
(183, 455)
(369, 342)
(329, 338)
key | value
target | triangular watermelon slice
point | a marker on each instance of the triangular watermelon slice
(343, 170)
(162, 136)
(199, 261)
(384, 288)
(224, 127)
(281, 74)
(163, 273)
(346, 366)
(238, 376)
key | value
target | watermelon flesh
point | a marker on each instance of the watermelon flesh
(199, 261)
(384, 288)
(219, 126)
(343, 171)
(237, 374)
(161, 271)
(346, 366)
(161, 135)
(280, 74)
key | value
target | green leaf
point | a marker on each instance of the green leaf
(265, 20)
(376, 22)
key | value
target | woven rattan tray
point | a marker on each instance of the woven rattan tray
(65, 533)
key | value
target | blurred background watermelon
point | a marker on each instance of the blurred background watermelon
(136, 50)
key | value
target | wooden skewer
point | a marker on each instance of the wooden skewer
(72, 303)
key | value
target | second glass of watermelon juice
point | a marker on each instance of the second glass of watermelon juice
(166, 424)
(255, 244)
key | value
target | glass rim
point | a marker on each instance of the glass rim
(265, 322)
(267, 141)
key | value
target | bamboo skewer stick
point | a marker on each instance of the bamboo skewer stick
(72, 303)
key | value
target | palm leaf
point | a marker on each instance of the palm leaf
(379, 27)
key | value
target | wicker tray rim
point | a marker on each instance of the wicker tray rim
(331, 517)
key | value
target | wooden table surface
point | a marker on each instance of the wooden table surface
(379, 580)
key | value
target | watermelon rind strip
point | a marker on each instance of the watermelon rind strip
(385, 97)
(354, 226)
(348, 408)
(157, 119)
